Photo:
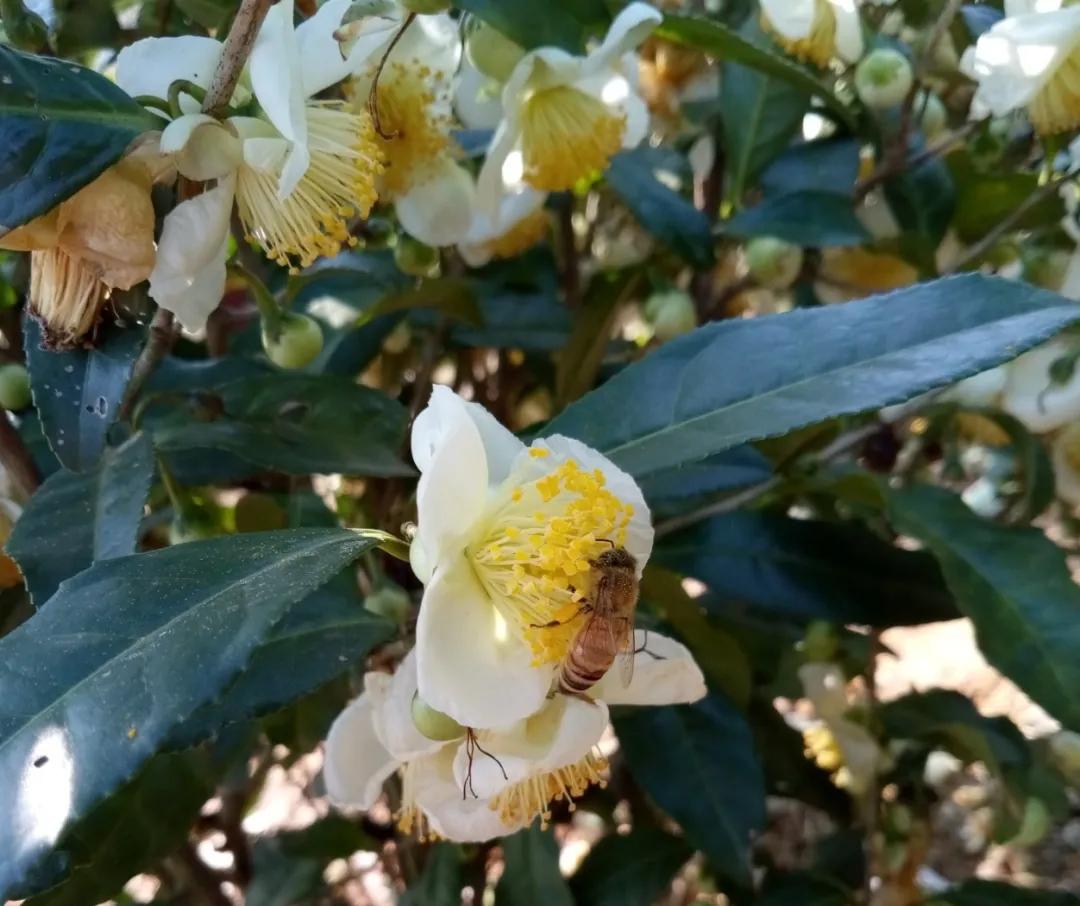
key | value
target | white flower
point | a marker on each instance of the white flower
(565, 116)
(980, 390)
(484, 784)
(519, 223)
(1031, 58)
(815, 30)
(297, 171)
(1065, 456)
(1033, 396)
(504, 538)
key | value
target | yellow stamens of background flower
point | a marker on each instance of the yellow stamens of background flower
(410, 817)
(1056, 106)
(821, 746)
(338, 185)
(567, 135)
(521, 802)
(414, 135)
(819, 47)
(66, 294)
(534, 560)
(521, 237)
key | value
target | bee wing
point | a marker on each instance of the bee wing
(626, 652)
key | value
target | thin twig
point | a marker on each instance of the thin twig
(234, 54)
(568, 253)
(871, 818)
(16, 459)
(158, 344)
(935, 149)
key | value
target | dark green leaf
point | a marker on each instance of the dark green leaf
(562, 23)
(62, 124)
(297, 423)
(1014, 585)
(126, 650)
(441, 882)
(719, 41)
(923, 200)
(452, 297)
(74, 520)
(705, 746)
(84, 24)
(632, 869)
(77, 392)
(210, 14)
(830, 165)
(983, 199)
(531, 876)
(807, 218)
(319, 638)
(332, 837)
(662, 211)
(739, 380)
(809, 570)
(727, 471)
(995, 893)
(803, 889)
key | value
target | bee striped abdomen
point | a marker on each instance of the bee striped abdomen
(575, 679)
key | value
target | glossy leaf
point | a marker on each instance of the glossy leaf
(77, 392)
(727, 471)
(632, 869)
(705, 746)
(828, 165)
(661, 210)
(1015, 586)
(806, 218)
(74, 520)
(126, 650)
(63, 124)
(441, 881)
(739, 380)
(452, 297)
(531, 876)
(809, 570)
(562, 23)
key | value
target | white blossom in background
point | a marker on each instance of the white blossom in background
(1030, 58)
(518, 224)
(815, 30)
(297, 171)
(1031, 393)
(476, 785)
(565, 116)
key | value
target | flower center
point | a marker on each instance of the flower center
(66, 294)
(1056, 106)
(534, 559)
(414, 133)
(339, 184)
(521, 236)
(566, 136)
(521, 802)
(819, 46)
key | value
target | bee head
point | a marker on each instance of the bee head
(615, 558)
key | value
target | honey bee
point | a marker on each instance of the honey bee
(609, 631)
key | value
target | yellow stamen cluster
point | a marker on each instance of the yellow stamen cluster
(521, 802)
(414, 135)
(567, 135)
(522, 236)
(818, 47)
(338, 185)
(1056, 106)
(66, 294)
(534, 559)
(410, 818)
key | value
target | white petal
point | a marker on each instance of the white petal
(356, 765)
(825, 685)
(511, 209)
(632, 26)
(438, 210)
(205, 148)
(188, 278)
(452, 816)
(477, 100)
(489, 182)
(321, 60)
(266, 155)
(791, 18)
(639, 535)
(665, 673)
(469, 664)
(151, 65)
(1063, 455)
(636, 112)
(848, 35)
(435, 40)
(1033, 397)
(392, 699)
(277, 82)
(979, 390)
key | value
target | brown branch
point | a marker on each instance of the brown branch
(162, 336)
(889, 169)
(234, 55)
(16, 459)
(570, 269)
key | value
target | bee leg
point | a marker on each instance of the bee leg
(644, 649)
(585, 608)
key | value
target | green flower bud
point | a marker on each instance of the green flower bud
(773, 263)
(14, 387)
(426, 7)
(434, 724)
(24, 28)
(389, 601)
(298, 344)
(414, 258)
(1065, 752)
(933, 117)
(883, 78)
(1035, 823)
(490, 51)
(672, 314)
(820, 642)
(257, 512)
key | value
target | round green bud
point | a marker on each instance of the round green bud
(256, 512)
(25, 29)
(434, 724)
(298, 343)
(933, 117)
(883, 78)
(1035, 823)
(414, 258)
(820, 643)
(490, 51)
(426, 7)
(390, 602)
(773, 263)
(1045, 267)
(1065, 753)
(192, 526)
(14, 387)
(672, 314)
